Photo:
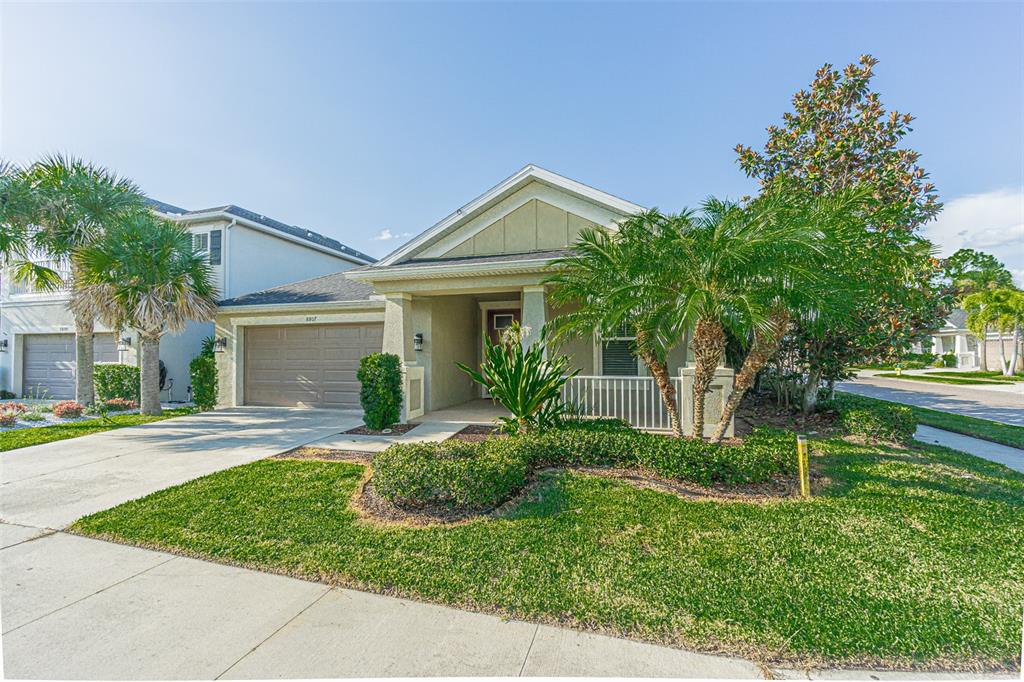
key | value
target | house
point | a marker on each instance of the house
(954, 337)
(431, 302)
(247, 252)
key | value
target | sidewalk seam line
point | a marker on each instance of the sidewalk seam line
(81, 599)
(267, 638)
(529, 649)
(47, 532)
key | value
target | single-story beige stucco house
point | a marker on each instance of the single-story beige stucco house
(431, 302)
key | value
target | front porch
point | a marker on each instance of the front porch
(476, 411)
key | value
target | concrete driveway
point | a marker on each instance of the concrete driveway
(1005, 406)
(51, 485)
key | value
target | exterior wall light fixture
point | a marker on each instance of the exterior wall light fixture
(417, 341)
(220, 345)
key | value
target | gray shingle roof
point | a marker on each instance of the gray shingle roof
(326, 289)
(293, 230)
(957, 319)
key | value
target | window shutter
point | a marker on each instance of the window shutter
(215, 236)
(617, 359)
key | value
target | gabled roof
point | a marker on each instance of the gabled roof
(957, 319)
(181, 214)
(520, 179)
(325, 289)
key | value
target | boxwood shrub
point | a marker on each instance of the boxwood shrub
(873, 420)
(481, 475)
(116, 380)
(380, 376)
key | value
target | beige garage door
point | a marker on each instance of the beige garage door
(49, 363)
(307, 365)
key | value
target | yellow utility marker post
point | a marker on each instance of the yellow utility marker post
(803, 466)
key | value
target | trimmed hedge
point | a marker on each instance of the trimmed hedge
(477, 476)
(873, 420)
(202, 370)
(454, 474)
(380, 394)
(116, 380)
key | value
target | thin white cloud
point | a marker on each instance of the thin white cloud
(386, 234)
(992, 222)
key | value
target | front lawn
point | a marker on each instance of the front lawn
(908, 558)
(22, 438)
(955, 381)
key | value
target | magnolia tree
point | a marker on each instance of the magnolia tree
(838, 137)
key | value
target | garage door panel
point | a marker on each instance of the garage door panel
(48, 364)
(310, 365)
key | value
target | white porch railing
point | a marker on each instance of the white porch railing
(636, 400)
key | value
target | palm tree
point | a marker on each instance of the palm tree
(1000, 308)
(71, 204)
(16, 249)
(145, 273)
(797, 238)
(622, 279)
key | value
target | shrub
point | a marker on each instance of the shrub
(35, 415)
(6, 395)
(381, 393)
(525, 382)
(66, 409)
(453, 474)
(474, 476)
(14, 407)
(120, 404)
(203, 372)
(949, 360)
(115, 380)
(8, 419)
(873, 420)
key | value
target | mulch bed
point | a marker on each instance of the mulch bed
(475, 433)
(396, 430)
(760, 409)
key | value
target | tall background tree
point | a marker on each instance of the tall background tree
(70, 205)
(144, 273)
(970, 272)
(839, 136)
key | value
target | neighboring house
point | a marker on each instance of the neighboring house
(954, 337)
(247, 252)
(430, 302)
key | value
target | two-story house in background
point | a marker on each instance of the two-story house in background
(247, 252)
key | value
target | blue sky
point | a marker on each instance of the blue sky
(351, 119)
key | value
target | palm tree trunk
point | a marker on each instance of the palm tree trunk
(983, 349)
(659, 370)
(150, 371)
(1002, 355)
(1012, 366)
(766, 343)
(84, 327)
(708, 347)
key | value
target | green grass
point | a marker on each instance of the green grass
(908, 558)
(994, 376)
(940, 379)
(22, 438)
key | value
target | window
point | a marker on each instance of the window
(201, 242)
(503, 320)
(618, 356)
(215, 236)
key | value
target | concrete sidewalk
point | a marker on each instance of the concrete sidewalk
(78, 608)
(996, 452)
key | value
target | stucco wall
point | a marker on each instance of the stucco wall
(455, 338)
(259, 261)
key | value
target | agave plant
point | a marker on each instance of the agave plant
(523, 380)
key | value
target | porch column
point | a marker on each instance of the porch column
(398, 327)
(534, 313)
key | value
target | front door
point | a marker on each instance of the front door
(500, 320)
(496, 321)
